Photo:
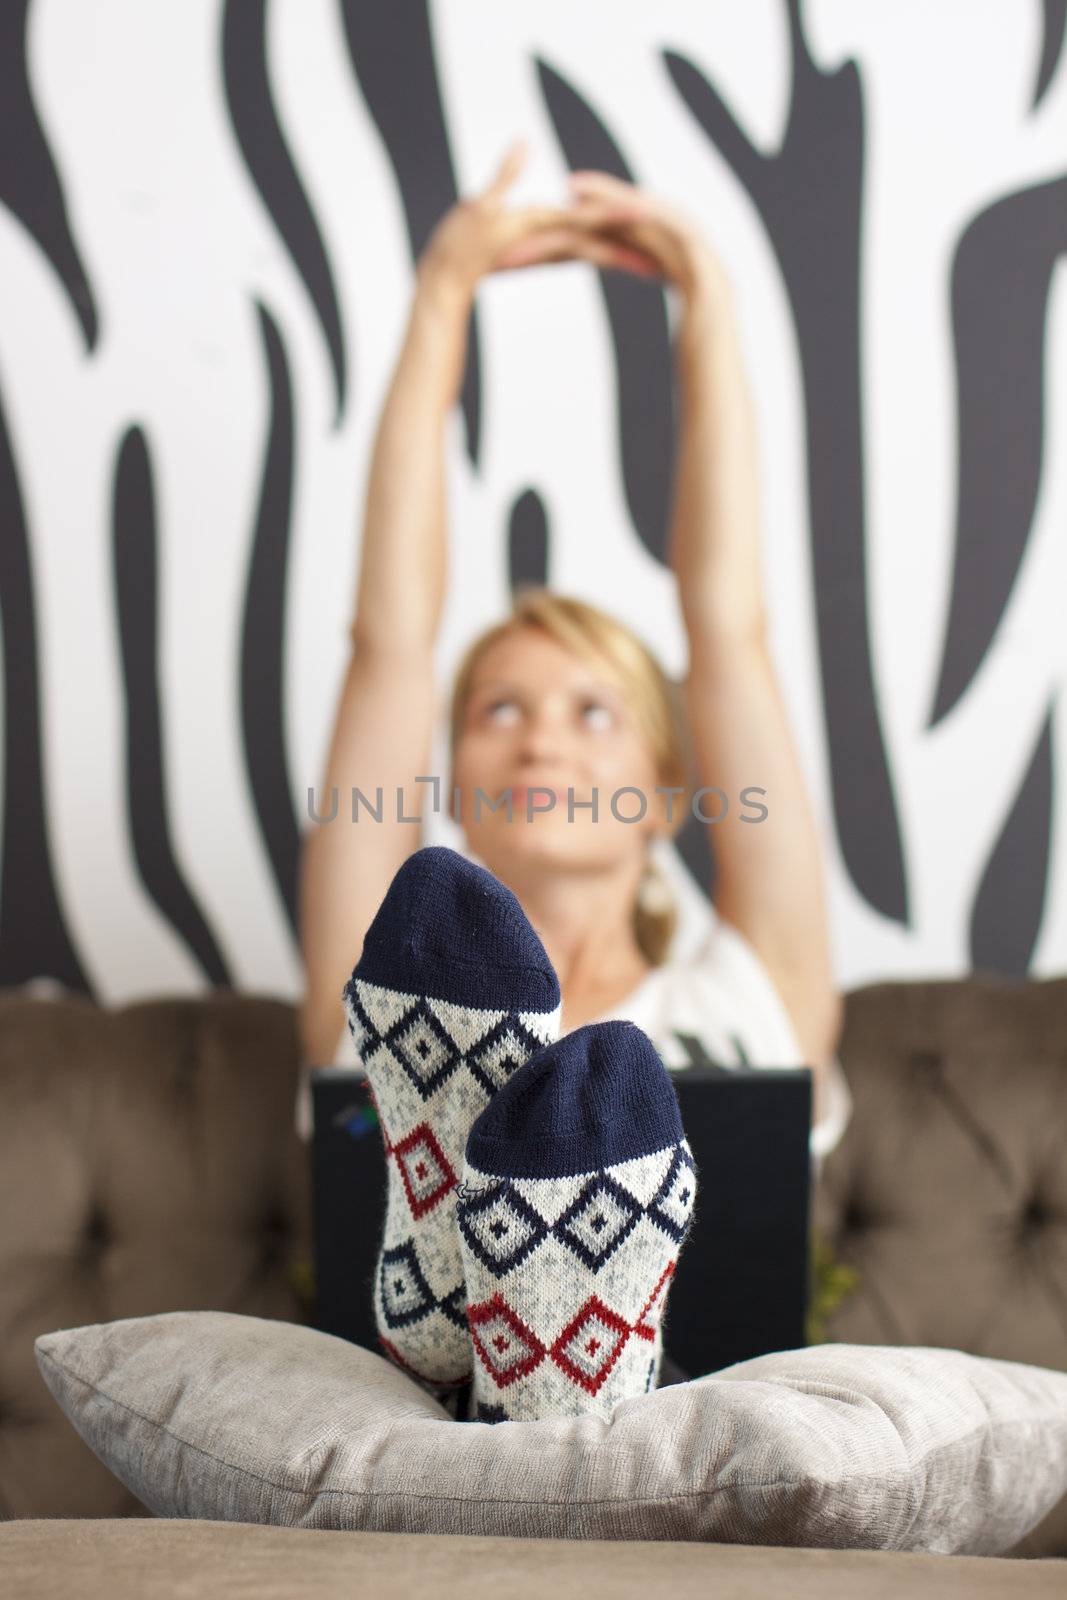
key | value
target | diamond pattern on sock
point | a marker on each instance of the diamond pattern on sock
(501, 1228)
(424, 1049)
(506, 1347)
(405, 1295)
(588, 1270)
(594, 1226)
(671, 1207)
(373, 1013)
(598, 1222)
(454, 1306)
(424, 1169)
(505, 1048)
(591, 1344)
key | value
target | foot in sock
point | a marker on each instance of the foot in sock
(578, 1190)
(452, 993)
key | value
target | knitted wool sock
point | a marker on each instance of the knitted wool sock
(452, 992)
(578, 1192)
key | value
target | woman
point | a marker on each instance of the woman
(563, 697)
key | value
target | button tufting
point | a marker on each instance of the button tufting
(1034, 1215)
(97, 1232)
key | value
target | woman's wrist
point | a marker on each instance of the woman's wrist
(441, 295)
(435, 344)
(707, 331)
(707, 295)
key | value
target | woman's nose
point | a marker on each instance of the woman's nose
(541, 734)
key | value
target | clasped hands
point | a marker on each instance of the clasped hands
(612, 224)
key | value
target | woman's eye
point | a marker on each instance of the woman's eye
(501, 710)
(596, 715)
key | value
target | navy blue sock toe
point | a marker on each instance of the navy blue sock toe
(598, 1096)
(447, 928)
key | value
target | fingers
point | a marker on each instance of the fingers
(570, 244)
(617, 257)
(636, 261)
(661, 216)
(587, 182)
(603, 188)
(588, 216)
(643, 228)
(508, 171)
(549, 245)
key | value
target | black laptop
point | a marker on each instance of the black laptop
(741, 1284)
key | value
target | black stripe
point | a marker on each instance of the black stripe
(391, 49)
(1010, 902)
(263, 632)
(1001, 278)
(528, 546)
(29, 183)
(1054, 19)
(136, 589)
(262, 142)
(35, 938)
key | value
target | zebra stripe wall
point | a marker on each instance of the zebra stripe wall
(209, 215)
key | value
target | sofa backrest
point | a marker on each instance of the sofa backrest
(148, 1163)
(947, 1196)
(948, 1192)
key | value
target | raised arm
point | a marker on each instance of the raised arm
(770, 874)
(383, 725)
(770, 880)
(384, 718)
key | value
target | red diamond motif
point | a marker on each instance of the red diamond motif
(424, 1168)
(590, 1345)
(653, 1308)
(506, 1347)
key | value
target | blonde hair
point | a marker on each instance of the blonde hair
(651, 695)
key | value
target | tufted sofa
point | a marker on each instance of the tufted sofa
(148, 1162)
(948, 1192)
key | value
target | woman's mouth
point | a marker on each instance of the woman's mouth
(537, 795)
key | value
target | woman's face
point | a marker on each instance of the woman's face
(538, 715)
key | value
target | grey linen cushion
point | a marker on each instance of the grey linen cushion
(212, 1415)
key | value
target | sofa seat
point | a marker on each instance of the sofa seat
(126, 1559)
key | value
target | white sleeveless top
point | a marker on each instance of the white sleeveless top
(716, 1006)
